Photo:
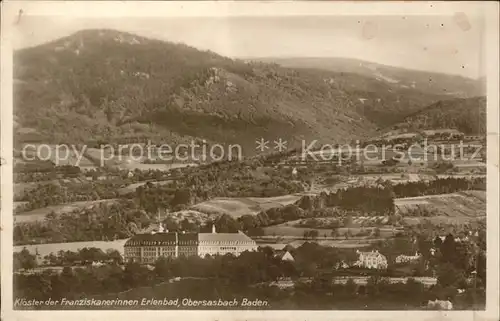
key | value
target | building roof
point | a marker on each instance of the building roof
(281, 253)
(152, 239)
(187, 238)
(223, 237)
(173, 238)
(372, 253)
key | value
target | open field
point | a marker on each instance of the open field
(456, 206)
(440, 220)
(343, 244)
(46, 249)
(40, 213)
(290, 230)
(237, 207)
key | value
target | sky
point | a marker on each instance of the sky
(449, 44)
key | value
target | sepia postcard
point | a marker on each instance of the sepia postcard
(250, 160)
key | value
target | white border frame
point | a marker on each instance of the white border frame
(249, 8)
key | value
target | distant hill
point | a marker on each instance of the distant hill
(467, 115)
(424, 81)
(110, 86)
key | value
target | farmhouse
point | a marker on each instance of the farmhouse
(147, 248)
(371, 260)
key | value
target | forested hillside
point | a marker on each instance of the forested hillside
(467, 115)
(112, 86)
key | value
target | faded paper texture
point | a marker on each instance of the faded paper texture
(250, 160)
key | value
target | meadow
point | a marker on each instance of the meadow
(240, 206)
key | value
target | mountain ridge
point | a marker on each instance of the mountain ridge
(110, 85)
(341, 64)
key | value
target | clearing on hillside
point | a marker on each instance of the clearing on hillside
(39, 214)
(237, 207)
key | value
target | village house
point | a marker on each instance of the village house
(371, 260)
(408, 258)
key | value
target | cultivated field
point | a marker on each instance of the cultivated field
(289, 230)
(463, 204)
(357, 221)
(237, 207)
(455, 208)
(40, 213)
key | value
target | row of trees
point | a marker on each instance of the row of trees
(43, 171)
(54, 194)
(24, 260)
(438, 186)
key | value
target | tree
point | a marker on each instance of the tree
(347, 221)
(448, 248)
(135, 275)
(188, 226)
(350, 288)
(448, 275)
(227, 224)
(162, 268)
(181, 197)
(114, 255)
(373, 285)
(24, 260)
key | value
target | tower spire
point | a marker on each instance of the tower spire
(160, 227)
